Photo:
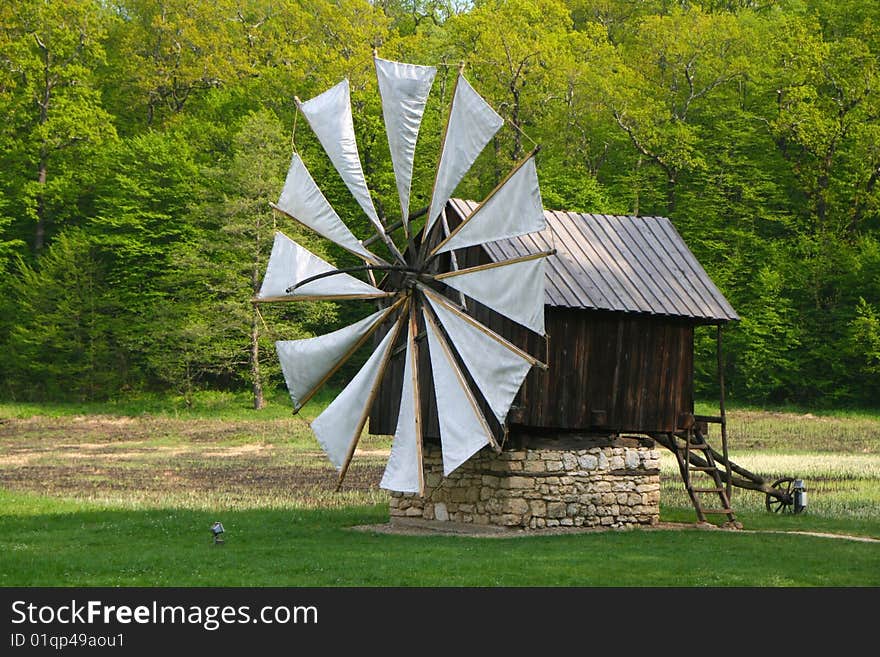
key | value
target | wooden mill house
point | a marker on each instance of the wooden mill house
(623, 297)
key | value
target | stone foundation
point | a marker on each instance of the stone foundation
(538, 488)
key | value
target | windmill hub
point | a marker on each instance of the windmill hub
(412, 279)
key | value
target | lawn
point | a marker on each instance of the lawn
(127, 498)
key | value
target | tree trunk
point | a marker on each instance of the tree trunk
(256, 379)
(638, 186)
(40, 231)
(43, 170)
(822, 183)
(670, 194)
(517, 135)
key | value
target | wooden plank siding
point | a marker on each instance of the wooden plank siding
(632, 357)
(637, 369)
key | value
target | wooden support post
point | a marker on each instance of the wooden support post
(453, 259)
(724, 448)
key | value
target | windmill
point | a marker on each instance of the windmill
(420, 299)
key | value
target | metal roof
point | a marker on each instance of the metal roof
(619, 263)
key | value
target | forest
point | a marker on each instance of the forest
(142, 141)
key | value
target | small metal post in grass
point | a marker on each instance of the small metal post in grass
(217, 530)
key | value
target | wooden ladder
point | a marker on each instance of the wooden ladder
(693, 440)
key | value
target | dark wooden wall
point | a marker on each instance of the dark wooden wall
(635, 371)
(638, 370)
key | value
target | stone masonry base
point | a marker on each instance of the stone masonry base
(538, 488)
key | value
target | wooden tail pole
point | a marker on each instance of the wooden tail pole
(724, 448)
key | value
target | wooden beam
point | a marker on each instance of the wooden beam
(412, 337)
(322, 297)
(723, 418)
(493, 265)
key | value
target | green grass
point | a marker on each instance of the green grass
(124, 494)
(74, 544)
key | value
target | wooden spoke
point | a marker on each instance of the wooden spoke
(780, 501)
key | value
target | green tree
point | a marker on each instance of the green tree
(221, 272)
(167, 52)
(766, 342)
(670, 67)
(865, 346)
(64, 343)
(828, 102)
(53, 113)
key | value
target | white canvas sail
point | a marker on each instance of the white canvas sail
(290, 263)
(329, 115)
(303, 200)
(463, 429)
(515, 208)
(307, 363)
(404, 89)
(497, 370)
(472, 123)
(403, 471)
(339, 427)
(516, 290)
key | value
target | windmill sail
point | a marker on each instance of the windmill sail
(513, 209)
(470, 364)
(403, 473)
(472, 123)
(463, 429)
(515, 289)
(497, 370)
(329, 115)
(307, 363)
(404, 89)
(290, 263)
(339, 427)
(302, 200)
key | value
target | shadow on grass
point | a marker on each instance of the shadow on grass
(82, 546)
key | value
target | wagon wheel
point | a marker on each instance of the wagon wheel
(781, 501)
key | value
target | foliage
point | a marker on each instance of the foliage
(63, 343)
(142, 140)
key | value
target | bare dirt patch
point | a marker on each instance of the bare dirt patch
(88, 480)
(234, 452)
(150, 459)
